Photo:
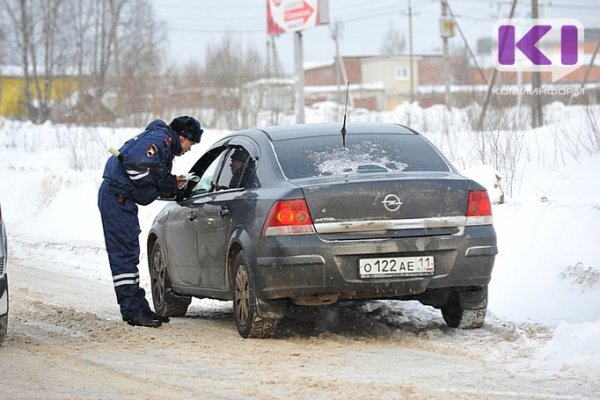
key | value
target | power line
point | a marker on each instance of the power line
(222, 30)
(365, 17)
(170, 26)
(476, 18)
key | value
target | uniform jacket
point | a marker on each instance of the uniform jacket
(143, 171)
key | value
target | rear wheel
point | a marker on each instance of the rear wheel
(466, 309)
(245, 309)
(166, 302)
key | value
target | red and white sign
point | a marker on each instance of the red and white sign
(295, 15)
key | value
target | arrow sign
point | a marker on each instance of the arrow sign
(295, 15)
(299, 13)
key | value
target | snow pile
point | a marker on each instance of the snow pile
(573, 350)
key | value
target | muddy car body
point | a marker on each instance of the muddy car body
(312, 219)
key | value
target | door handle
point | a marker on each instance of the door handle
(192, 215)
(223, 212)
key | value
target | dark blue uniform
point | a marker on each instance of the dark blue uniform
(138, 176)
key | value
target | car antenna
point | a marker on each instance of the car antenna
(345, 111)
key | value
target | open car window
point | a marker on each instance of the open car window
(206, 181)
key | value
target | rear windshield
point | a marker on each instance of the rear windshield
(366, 153)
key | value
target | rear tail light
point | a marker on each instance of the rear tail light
(288, 217)
(479, 208)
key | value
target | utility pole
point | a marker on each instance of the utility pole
(537, 117)
(336, 32)
(466, 42)
(269, 40)
(341, 75)
(445, 34)
(275, 61)
(300, 74)
(410, 54)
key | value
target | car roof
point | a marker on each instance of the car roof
(283, 132)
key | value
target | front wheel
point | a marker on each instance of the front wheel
(245, 309)
(166, 302)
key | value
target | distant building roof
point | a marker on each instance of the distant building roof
(591, 34)
(11, 70)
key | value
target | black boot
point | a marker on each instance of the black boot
(159, 317)
(144, 320)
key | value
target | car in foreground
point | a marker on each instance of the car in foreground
(3, 280)
(313, 214)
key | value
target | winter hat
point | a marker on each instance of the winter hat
(239, 155)
(188, 127)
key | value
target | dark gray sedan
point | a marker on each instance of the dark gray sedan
(304, 215)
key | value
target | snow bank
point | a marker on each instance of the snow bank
(573, 350)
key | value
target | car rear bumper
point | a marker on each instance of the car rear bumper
(305, 265)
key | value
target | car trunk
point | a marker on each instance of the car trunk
(399, 205)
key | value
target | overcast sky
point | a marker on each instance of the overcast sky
(192, 24)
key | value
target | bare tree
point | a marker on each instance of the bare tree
(40, 42)
(393, 41)
(20, 23)
(227, 68)
(460, 66)
(107, 21)
(2, 49)
(80, 15)
(137, 61)
(186, 88)
(52, 44)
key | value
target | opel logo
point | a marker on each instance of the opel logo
(392, 203)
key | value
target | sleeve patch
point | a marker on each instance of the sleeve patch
(152, 150)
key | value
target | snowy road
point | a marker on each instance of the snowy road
(58, 349)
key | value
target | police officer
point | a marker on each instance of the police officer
(138, 174)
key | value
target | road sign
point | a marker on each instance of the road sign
(295, 15)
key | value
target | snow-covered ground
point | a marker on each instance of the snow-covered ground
(547, 272)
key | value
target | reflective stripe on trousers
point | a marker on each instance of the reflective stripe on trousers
(121, 236)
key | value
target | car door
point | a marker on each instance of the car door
(181, 243)
(183, 224)
(215, 223)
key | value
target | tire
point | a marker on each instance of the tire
(458, 312)
(166, 302)
(3, 327)
(245, 309)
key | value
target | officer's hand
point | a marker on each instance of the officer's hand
(181, 181)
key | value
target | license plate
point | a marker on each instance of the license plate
(395, 266)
